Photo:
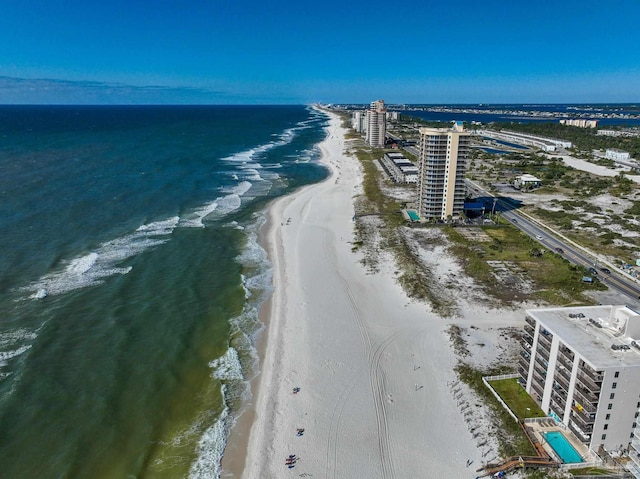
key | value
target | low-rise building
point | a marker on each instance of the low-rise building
(526, 181)
(580, 123)
(545, 144)
(616, 155)
(399, 168)
(582, 365)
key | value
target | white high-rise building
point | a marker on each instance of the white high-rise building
(442, 165)
(376, 124)
(582, 365)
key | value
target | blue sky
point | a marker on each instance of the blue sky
(245, 51)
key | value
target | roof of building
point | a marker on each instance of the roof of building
(528, 177)
(592, 330)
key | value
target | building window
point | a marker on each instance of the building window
(609, 406)
(614, 385)
(607, 417)
(638, 406)
(612, 395)
(604, 436)
(637, 413)
(606, 426)
(632, 435)
(633, 426)
(617, 374)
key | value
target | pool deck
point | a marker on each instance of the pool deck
(536, 430)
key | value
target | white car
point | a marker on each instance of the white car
(539, 237)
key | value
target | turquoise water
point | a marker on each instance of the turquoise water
(562, 447)
(413, 215)
(131, 279)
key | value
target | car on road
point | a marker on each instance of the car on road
(605, 270)
(559, 250)
(539, 237)
(514, 220)
(593, 270)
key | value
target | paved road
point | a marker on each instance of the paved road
(576, 255)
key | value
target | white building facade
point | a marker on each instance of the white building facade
(376, 124)
(582, 365)
(441, 168)
(580, 123)
(616, 155)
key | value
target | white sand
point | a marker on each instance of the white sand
(373, 367)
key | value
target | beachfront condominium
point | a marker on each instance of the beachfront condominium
(582, 365)
(442, 165)
(376, 124)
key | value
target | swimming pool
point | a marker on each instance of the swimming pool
(562, 447)
(413, 215)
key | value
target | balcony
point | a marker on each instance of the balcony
(524, 373)
(564, 364)
(587, 418)
(559, 401)
(594, 376)
(584, 397)
(541, 359)
(561, 382)
(529, 330)
(542, 353)
(538, 390)
(585, 437)
(585, 427)
(545, 339)
(585, 383)
(564, 374)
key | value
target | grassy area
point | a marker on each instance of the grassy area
(512, 439)
(518, 400)
(553, 278)
(589, 471)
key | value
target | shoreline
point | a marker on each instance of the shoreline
(375, 369)
(235, 456)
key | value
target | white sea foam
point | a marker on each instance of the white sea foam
(6, 355)
(211, 448)
(9, 338)
(92, 268)
(83, 264)
(227, 366)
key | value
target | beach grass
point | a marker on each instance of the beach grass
(510, 435)
(552, 278)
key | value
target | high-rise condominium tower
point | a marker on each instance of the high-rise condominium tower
(442, 165)
(376, 124)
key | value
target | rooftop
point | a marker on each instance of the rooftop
(591, 331)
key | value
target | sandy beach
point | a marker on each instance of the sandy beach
(378, 396)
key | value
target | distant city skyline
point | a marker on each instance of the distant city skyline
(284, 52)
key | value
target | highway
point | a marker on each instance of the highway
(611, 277)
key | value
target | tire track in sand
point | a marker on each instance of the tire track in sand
(377, 380)
(339, 407)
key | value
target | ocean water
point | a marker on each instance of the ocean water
(130, 280)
